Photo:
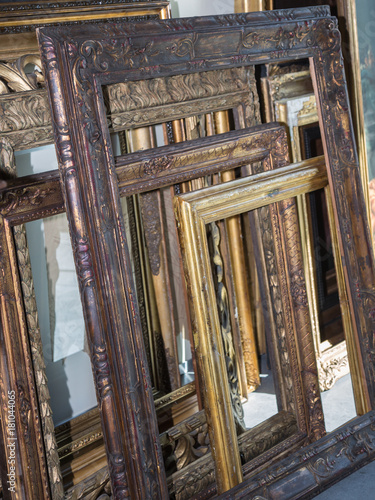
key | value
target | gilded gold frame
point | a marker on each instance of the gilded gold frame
(89, 179)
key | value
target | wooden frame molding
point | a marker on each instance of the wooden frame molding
(25, 128)
(78, 63)
(26, 123)
(296, 112)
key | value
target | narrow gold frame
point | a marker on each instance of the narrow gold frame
(193, 211)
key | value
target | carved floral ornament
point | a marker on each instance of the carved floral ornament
(107, 54)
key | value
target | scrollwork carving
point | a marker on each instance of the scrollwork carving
(334, 116)
(256, 446)
(156, 165)
(94, 487)
(332, 365)
(226, 328)
(10, 200)
(154, 92)
(185, 443)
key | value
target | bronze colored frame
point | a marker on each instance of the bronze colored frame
(40, 195)
(35, 128)
(26, 122)
(77, 64)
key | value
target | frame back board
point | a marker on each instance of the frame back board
(78, 63)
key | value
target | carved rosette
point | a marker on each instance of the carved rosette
(157, 165)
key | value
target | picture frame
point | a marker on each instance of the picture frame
(89, 58)
(37, 196)
(35, 129)
(301, 116)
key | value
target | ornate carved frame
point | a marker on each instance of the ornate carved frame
(296, 112)
(198, 210)
(26, 123)
(38, 196)
(78, 63)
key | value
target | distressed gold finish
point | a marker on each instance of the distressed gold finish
(194, 211)
(250, 5)
(19, 21)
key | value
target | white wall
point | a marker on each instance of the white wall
(191, 8)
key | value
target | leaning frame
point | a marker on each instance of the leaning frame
(77, 64)
(20, 206)
(26, 103)
(332, 362)
(38, 196)
(196, 210)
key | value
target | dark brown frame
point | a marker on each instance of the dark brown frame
(28, 127)
(33, 197)
(77, 63)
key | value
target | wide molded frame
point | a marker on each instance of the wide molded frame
(39, 196)
(78, 62)
(26, 123)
